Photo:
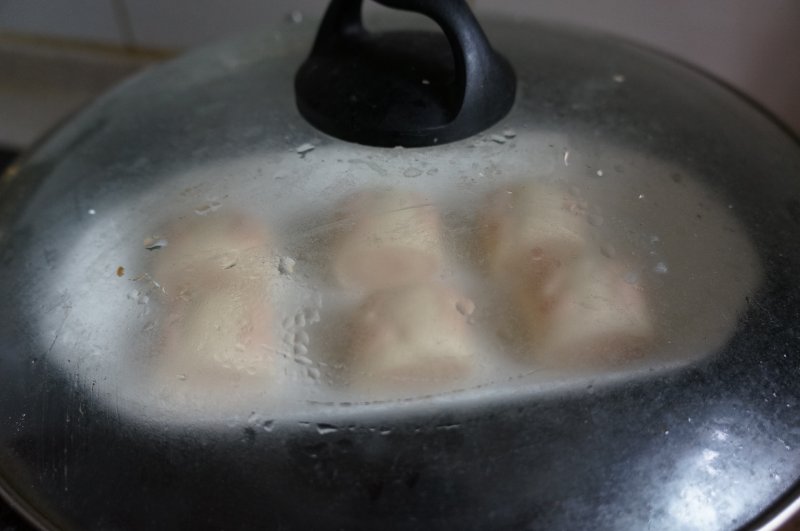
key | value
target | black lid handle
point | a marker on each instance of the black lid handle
(403, 88)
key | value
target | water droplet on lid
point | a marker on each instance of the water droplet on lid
(509, 133)
(228, 261)
(618, 78)
(92, 212)
(465, 307)
(211, 206)
(426, 82)
(631, 277)
(608, 250)
(660, 268)
(325, 429)
(313, 373)
(138, 296)
(154, 243)
(301, 338)
(641, 196)
(182, 377)
(302, 149)
(566, 158)
(709, 454)
(286, 265)
(300, 349)
(595, 220)
(499, 139)
(537, 253)
(385, 431)
(296, 16)
(312, 315)
(300, 319)
(412, 172)
(303, 360)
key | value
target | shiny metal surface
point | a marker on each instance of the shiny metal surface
(703, 436)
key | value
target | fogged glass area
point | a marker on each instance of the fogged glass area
(518, 262)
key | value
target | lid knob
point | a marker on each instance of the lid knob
(407, 88)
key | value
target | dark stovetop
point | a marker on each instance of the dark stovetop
(9, 519)
(6, 156)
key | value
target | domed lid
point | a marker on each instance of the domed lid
(577, 304)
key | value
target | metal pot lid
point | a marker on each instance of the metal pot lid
(584, 314)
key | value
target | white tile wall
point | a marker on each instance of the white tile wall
(753, 45)
(178, 24)
(41, 85)
(92, 20)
